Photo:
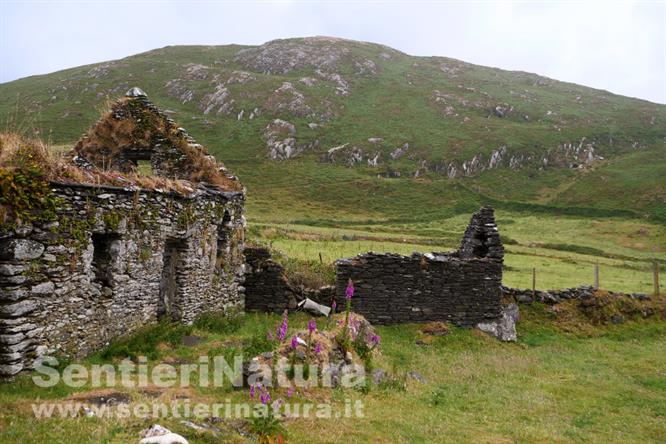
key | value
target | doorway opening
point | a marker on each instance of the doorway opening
(170, 287)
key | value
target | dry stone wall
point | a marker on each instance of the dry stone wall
(462, 287)
(114, 260)
(267, 287)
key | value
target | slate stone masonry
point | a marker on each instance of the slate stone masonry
(115, 260)
(266, 286)
(462, 287)
(268, 289)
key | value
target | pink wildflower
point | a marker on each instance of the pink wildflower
(282, 331)
(349, 293)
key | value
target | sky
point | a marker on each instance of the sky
(618, 46)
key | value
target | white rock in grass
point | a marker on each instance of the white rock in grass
(503, 328)
(157, 434)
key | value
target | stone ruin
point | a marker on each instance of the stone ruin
(118, 257)
(462, 287)
(268, 289)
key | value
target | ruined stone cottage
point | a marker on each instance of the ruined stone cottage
(462, 287)
(124, 252)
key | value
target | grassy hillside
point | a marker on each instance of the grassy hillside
(453, 115)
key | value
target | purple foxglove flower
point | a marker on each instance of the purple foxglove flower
(312, 325)
(333, 306)
(265, 398)
(294, 342)
(290, 392)
(375, 339)
(317, 348)
(252, 392)
(349, 293)
(282, 331)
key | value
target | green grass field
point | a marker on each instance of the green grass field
(607, 385)
(563, 249)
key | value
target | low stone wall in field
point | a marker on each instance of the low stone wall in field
(551, 297)
(596, 305)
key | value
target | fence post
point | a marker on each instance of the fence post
(533, 282)
(596, 276)
(655, 278)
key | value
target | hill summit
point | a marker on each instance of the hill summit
(325, 103)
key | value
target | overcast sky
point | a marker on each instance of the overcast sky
(618, 46)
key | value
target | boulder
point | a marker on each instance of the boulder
(503, 328)
(378, 376)
(135, 92)
(550, 298)
(524, 298)
(157, 434)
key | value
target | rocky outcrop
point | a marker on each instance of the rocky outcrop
(219, 101)
(341, 85)
(287, 99)
(399, 152)
(280, 137)
(566, 155)
(280, 140)
(319, 53)
(177, 88)
(344, 153)
(240, 78)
